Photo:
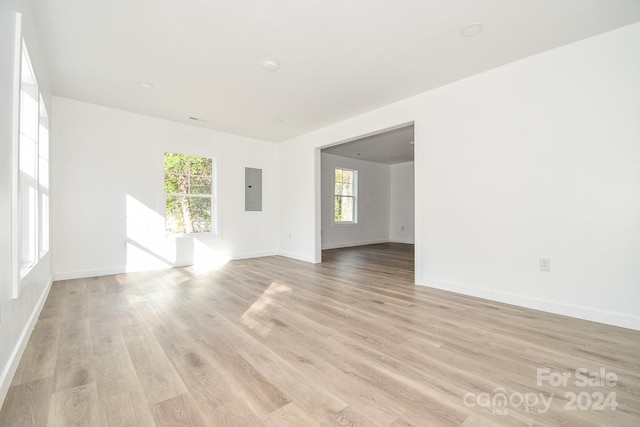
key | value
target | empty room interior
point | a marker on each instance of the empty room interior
(287, 213)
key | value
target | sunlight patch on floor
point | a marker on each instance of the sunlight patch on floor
(257, 317)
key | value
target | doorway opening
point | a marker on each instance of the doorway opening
(367, 194)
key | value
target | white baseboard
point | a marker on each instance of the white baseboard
(12, 365)
(622, 320)
(408, 241)
(351, 244)
(254, 255)
(299, 257)
(81, 274)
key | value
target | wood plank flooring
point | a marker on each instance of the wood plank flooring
(278, 342)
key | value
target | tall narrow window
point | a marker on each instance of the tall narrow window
(189, 189)
(43, 180)
(28, 164)
(345, 183)
(30, 168)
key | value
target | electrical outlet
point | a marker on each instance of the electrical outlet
(545, 264)
(402, 228)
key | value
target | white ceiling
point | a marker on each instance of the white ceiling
(337, 58)
(390, 147)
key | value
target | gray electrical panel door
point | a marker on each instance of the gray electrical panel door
(252, 189)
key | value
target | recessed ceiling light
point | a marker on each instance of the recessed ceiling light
(412, 142)
(358, 154)
(277, 121)
(197, 119)
(472, 30)
(270, 65)
(145, 85)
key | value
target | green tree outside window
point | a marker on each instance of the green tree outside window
(188, 188)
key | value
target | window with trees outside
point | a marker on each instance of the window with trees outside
(33, 170)
(344, 207)
(189, 194)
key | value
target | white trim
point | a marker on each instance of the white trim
(14, 359)
(419, 209)
(15, 161)
(345, 224)
(299, 257)
(248, 255)
(354, 196)
(368, 134)
(214, 197)
(408, 241)
(316, 255)
(97, 272)
(81, 274)
(622, 320)
(351, 244)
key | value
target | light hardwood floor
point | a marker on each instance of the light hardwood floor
(278, 342)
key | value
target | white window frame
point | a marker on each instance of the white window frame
(30, 175)
(43, 180)
(213, 196)
(28, 165)
(353, 196)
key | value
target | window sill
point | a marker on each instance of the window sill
(24, 271)
(192, 236)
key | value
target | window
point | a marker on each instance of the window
(33, 169)
(43, 180)
(189, 189)
(344, 207)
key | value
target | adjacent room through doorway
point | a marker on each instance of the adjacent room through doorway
(367, 196)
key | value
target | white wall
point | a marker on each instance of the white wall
(372, 199)
(402, 209)
(108, 174)
(538, 158)
(17, 316)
